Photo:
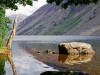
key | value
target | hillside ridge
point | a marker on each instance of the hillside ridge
(52, 20)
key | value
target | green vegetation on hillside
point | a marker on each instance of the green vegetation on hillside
(25, 32)
(67, 24)
(57, 28)
(29, 28)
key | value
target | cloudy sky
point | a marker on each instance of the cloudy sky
(27, 10)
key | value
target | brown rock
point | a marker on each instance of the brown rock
(48, 51)
(54, 52)
(73, 51)
(39, 52)
(75, 48)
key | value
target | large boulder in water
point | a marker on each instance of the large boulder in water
(75, 48)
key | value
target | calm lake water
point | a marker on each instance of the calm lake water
(28, 62)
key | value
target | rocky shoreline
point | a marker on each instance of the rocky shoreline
(56, 61)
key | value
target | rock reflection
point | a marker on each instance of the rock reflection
(74, 59)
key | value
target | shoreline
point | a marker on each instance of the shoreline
(46, 59)
(52, 60)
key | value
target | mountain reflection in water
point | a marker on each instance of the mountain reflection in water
(74, 59)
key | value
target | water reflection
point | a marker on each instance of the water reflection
(25, 63)
(3, 59)
(74, 59)
(93, 67)
(2, 64)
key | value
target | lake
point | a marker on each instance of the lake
(28, 62)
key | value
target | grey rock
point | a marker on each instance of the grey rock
(75, 48)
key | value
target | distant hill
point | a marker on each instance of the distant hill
(20, 18)
(52, 20)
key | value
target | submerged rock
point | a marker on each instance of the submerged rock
(54, 52)
(64, 73)
(39, 52)
(75, 48)
(48, 51)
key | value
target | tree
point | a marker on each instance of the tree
(11, 4)
(12, 33)
(8, 4)
(66, 3)
(3, 25)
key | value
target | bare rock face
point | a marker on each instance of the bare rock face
(75, 48)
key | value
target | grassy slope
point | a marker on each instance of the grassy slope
(67, 24)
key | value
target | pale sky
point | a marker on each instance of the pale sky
(27, 10)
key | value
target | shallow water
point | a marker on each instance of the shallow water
(27, 62)
(88, 63)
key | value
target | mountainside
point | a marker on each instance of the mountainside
(52, 20)
(20, 18)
